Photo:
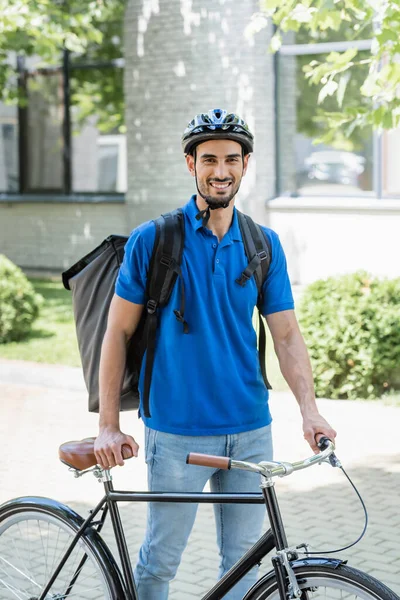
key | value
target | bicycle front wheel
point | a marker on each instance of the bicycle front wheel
(326, 583)
(34, 536)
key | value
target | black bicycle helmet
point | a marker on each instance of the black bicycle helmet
(217, 123)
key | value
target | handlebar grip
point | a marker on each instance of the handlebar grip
(126, 451)
(208, 460)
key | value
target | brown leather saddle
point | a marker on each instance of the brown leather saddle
(80, 454)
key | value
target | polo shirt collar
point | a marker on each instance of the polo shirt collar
(191, 211)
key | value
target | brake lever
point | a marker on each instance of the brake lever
(332, 458)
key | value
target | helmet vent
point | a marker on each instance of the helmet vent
(217, 122)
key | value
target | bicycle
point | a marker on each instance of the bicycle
(49, 552)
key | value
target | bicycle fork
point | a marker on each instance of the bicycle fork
(285, 576)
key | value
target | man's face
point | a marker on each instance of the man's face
(219, 167)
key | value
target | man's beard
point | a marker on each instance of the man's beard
(213, 202)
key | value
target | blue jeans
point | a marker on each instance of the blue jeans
(169, 524)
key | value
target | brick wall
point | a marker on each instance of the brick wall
(52, 236)
(184, 57)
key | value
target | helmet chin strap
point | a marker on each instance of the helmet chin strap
(206, 212)
(204, 215)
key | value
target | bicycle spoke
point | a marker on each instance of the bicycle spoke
(20, 557)
(13, 590)
(32, 546)
(85, 577)
(44, 553)
(74, 564)
(330, 583)
(77, 594)
(19, 571)
(54, 564)
(5, 585)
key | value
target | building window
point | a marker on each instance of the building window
(390, 163)
(98, 141)
(99, 161)
(9, 170)
(68, 135)
(44, 135)
(113, 163)
(339, 167)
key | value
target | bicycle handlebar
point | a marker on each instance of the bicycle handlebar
(267, 468)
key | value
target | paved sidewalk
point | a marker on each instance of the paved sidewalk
(42, 406)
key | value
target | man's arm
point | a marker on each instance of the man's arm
(123, 319)
(295, 366)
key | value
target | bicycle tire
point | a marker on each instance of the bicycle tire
(34, 535)
(332, 582)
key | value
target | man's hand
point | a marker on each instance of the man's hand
(315, 425)
(108, 447)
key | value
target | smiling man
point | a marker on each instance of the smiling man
(223, 184)
(207, 394)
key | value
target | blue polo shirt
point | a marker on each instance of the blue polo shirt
(207, 382)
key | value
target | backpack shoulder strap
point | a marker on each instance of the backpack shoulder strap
(166, 257)
(258, 252)
(165, 266)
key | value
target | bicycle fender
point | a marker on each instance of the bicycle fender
(25, 502)
(318, 561)
(312, 561)
(67, 514)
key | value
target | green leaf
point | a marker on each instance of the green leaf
(343, 81)
(257, 23)
(270, 6)
(276, 42)
(327, 90)
(302, 13)
(378, 115)
(370, 88)
(327, 19)
(387, 35)
(387, 120)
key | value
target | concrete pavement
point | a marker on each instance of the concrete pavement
(42, 406)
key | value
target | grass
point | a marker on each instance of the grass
(52, 338)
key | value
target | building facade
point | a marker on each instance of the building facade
(65, 184)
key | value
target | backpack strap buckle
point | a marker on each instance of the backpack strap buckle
(167, 261)
(243, 279)
(262, 255)
(151, 306)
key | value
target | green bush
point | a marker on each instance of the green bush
(351, 325)
(19, 304)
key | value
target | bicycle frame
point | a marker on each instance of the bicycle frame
(273, 538)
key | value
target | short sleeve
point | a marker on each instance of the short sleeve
(277, 291)
(132, 277)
